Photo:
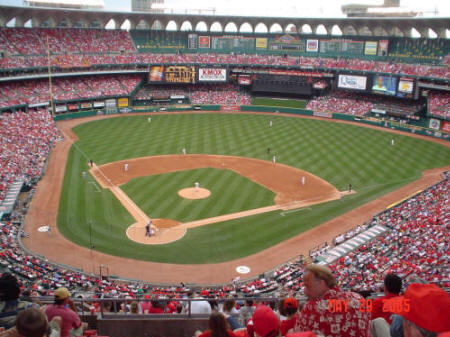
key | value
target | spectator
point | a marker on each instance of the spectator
(290, 310)
(32, 322)
(218, 327)
(9, 301)
(392, 288)
(199, 307)
(264, 323)
(425, 309)
(321, 290)
(64, 308)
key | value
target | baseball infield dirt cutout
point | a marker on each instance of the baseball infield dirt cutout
(193, 193)
(294, 188)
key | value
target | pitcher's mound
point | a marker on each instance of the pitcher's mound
(194, 193)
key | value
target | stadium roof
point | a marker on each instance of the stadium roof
(68, 3)
(348, 26)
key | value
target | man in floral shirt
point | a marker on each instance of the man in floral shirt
(329, 310)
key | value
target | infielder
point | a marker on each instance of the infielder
(84, 174)
(196, 186)
(126, 167)
(147, 228)
(274, 159)
(184, 150)
(303, 180)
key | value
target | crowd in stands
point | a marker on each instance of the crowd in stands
(225, 94)
(25, 142)
(37, 91)
(75, 47)
(147, 92)
(359, 104)
(439, 104)
(26, 41)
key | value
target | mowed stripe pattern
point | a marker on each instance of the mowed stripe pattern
(157, 195)
(338, 153)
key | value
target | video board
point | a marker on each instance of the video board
(172, 74)
(352, 82)
(405, 87)
(384, 85)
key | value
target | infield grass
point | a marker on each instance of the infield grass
(338, 153)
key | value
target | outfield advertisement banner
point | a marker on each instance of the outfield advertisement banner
(212, 74)
(86, 105)
(371, 48)
(122, 102)
(352, 82)
(261, 43)
(60, 108)
(72, 107)
(99, 104)
(172, 74)
(312, 46)
(435, 124)
(446, 126)
(204, 42)
(110, 103)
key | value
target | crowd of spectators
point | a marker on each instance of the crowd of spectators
(37, 91)
(358, 104)
(223, 94)
(439, 104)
(27, 41)
(147, 92)
(25, 142)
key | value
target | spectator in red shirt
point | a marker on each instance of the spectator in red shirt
(392, 287)
(290, 310)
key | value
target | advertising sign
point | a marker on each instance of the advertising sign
(371, 48)
(86, 105)
(312, 46)
(60, 108)
(122, 102)
(435, 124)
(383, 47)
(261, 43)
(212, 74)
(446, 126)
(204, 42)
(352, 82)
(110, 103)
(99, 104)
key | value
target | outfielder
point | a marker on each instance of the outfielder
(149, 119)
(183, 150)
(392, 142)
(270, 124)
(274, 159)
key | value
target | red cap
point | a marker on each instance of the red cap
(302, 334)
(444, 334)
(265, 322)
(425, 305)
(290, 302)
(147, 297)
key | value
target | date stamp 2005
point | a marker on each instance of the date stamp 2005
(367, 305)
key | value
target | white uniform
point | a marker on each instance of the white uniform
(184, 150)
(270, 124)
(303, 180)
(274, 159)
(126, 167)
(196, 186)
(149, 119)
(84, 174)
(392, 142)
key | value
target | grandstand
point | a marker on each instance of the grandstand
(52, 73)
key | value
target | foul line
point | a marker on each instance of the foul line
(96, 186)
(295, 210)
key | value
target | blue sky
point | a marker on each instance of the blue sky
(316, 8)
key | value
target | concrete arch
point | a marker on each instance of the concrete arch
(276, 28)
(380, 31)
(124, 25)
(201, 26)
(143, 24)
(432, 34)
(336, 30)
(415, 33)
(230, 27)
(157, 25)
(321, 30)
(306, 29)
(261, 28)
(245, 28)
(290, 28)
(186, 26)
(111, 24)
(349, 30)
(365, 30)
(216, 27)
(395, 31)
(171, 26)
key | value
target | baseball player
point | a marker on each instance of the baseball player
(392, 142)
(274, 159)
(268, 150)
(149, 119)
(84, 174)
(270, 124)
(148, 227)
(91, 162)
(184, 150)
(196, 186)
(303, 180)
(126, 167)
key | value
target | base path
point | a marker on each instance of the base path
(44, 208)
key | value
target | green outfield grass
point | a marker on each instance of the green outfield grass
(339, 153)
(157, 195)
(281, 102)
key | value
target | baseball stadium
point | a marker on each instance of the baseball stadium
(162, 171)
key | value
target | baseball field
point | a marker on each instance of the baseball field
(339, 154)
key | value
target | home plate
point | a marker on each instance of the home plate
(243, 270)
